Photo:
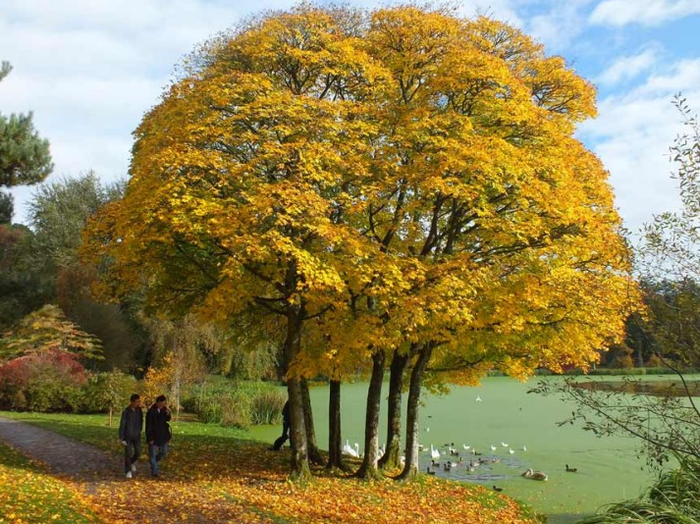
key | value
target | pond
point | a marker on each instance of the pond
(608, 469)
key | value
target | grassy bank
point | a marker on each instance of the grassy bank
(213, 470)
(659, 388)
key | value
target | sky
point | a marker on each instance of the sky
(90, 69)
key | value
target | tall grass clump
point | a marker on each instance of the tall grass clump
(674, 499)
(266, 407)
(237, 404)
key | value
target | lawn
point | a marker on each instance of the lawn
(214, 473)
(29, 494)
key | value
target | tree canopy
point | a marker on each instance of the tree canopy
(387, 182)
(24, 156)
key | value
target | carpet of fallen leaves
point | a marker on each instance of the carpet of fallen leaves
(247, 483)
(213, 479)
(28, 494)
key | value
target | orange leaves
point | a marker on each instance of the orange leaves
(409, 176)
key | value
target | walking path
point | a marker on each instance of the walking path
(61, 455)
(97, 477)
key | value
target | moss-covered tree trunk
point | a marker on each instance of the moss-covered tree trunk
(391, 458)
(335, 450)
(414, 389)
(297, 433)
(369, 468)
(314, 452)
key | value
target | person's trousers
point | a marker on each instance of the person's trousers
(155, 455)
(281, 440)
(132, 451)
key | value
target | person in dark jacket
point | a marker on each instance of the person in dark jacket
(158, 433)
(285, 428)
(130, 427)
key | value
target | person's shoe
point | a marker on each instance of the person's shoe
(128, 474)
(133, 468)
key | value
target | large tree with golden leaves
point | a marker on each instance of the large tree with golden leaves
(401, 184)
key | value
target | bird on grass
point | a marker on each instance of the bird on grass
(353, 451)
(496, 488)
(571, 470)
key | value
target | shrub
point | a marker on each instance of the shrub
(228, 408)
(107, 392)
(42, 381)
(654, 362)
(266, 407)
(235, 404)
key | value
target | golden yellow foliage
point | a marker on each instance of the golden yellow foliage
(406, 177)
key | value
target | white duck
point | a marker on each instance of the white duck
(353, 451)
(434, 453)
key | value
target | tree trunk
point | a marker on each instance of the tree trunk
(368, 469)
(640, 357)
(335, 450)
(297, 432)
(391, 458)
(314, 453)
(414, 389)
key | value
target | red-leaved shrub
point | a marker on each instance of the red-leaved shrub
(42, 381)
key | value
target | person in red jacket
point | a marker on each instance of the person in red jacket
(158, 432)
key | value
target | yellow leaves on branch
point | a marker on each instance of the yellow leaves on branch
(399, 176)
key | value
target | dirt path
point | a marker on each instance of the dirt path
(96, 478)
(61, 455)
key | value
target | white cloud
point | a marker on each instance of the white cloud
(503, 10)
(89, 69)
(645, 12)
(628, 67)
(559, 24)
(632, 135)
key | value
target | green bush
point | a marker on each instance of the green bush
(228, 408)
(105, 391)
(228, 403)
(46, 393)
(266, 407)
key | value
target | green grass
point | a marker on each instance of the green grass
(217, 461)
(608, 469)
(28, 494)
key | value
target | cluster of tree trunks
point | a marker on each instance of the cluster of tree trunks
(304, 449)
